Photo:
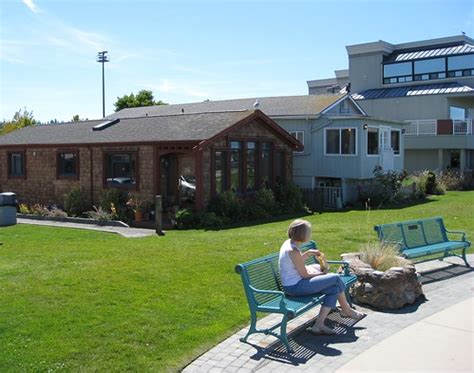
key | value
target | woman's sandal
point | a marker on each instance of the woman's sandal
(354, 315)
(321, 330)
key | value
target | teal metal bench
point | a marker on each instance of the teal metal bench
(262, 285)
(425, 237)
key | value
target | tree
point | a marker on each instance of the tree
(22, 118)
(75, 118)
(142, 98)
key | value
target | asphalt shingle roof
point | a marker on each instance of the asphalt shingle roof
(271, 106)
(185, 127)
(414, 90)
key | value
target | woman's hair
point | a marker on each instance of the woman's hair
(299, 230)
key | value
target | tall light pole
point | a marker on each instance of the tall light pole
(103, 58)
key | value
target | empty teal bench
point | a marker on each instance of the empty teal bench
(417, 239)
(262, 285)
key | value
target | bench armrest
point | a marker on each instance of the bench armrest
(274, 292)
(458, 232)
(344, 263)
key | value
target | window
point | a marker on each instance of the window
(120, 170)
(16, 165)
(67, 165)
(220, 171)
(266, 165)
(251, 149)
(235, 166)
(298, 135)
(280, 167)
(341, 141)
(397, 69)
(332, 142)
(372, 141)
(456, 112)
(398, 72)
(461, 62)
(344, 107)
(395, 141)
(348, 141)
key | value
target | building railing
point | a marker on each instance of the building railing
(462, 127)
(323, 198)
(425, 127)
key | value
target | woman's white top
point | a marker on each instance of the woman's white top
(289, 274)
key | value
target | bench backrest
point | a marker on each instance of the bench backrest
(263, 273)
(413, 233)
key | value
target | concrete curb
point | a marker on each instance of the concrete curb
(111, 223)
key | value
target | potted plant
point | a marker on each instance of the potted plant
(137, 207)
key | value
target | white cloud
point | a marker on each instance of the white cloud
(31, 6)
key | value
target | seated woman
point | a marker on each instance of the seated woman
(299, 279)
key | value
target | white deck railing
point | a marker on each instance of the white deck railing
(462, 127)
(429, 127)
(421, 127)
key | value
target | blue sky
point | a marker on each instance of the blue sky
(189, 51)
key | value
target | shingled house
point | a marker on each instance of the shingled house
(238, 150)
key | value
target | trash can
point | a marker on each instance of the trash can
(7, 209)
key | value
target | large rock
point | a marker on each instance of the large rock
(391, 289)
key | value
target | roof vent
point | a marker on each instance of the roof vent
(104, 125)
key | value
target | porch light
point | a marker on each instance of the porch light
(365, 126)
(403, 131)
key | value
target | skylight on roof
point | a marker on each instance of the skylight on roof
(104, 125)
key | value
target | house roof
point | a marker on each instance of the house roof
(415, 90)
(184, 127)
(430, 53)
(284, 106)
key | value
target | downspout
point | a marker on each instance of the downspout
(91, 176)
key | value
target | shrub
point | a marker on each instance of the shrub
(75, 203)
(289, 197)
(452, 180)
(189, 219)
(381, 257)
(39, 210)
(100, 214)
(114, 202)
(226, 205)
(430, 182)
(56, 212)
(24, 209)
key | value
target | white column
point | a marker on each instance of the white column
(440, 159)
(462, 160)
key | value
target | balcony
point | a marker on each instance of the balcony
(433, 127)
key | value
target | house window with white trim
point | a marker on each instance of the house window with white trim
(298, 135)
(372, 141)
(395, 141)
(341, 141)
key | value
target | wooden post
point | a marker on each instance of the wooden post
(159, 216)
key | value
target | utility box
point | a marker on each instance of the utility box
(8, 205)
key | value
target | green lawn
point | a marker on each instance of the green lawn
(80, 300)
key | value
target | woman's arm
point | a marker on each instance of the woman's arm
(298, 260)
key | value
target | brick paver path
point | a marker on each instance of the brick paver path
(444, 284)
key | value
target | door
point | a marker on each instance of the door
(385, 149)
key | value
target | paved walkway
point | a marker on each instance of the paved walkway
(435, 335)
(123, 231)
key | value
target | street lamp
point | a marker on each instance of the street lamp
(103, 58)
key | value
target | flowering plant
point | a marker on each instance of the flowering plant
(135, 204)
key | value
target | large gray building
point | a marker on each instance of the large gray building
(429, 84)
